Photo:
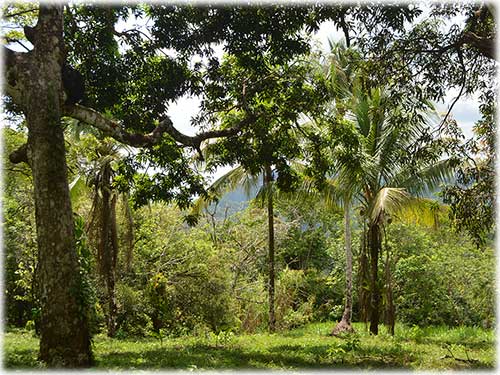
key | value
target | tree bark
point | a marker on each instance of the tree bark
(345, 323)
(390, 311)
(108, 244)
(375, 244)
(268, 178)
(65, 337)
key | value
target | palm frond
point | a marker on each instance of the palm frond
(228, 182)
(387, 201)
(428, 178)
(77, 188)
(421, 211)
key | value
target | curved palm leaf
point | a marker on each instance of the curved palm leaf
(387, 201)
(427, 179)
(236, 177)
(421, 211)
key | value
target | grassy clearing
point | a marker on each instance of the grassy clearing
(310, 347)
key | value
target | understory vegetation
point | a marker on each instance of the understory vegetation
(203, 289)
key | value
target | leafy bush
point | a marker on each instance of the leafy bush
(441, 277)
(132, 312)
(301, 297)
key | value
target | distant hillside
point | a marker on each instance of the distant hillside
(238, 200)
(235, 201)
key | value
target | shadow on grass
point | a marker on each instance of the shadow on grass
(202, 356)
(284, 356)
(288, 354)
(484, 344)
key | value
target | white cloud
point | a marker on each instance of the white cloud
(465, 111)
(181, 112)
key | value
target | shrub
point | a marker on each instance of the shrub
(132, 311)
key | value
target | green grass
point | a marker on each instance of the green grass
(439, 348)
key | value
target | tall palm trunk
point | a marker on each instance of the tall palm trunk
(108, 246)
(375, 246)
(268, 178)
(345, 324)
(390, 310)
(364, 278)
(129, 235)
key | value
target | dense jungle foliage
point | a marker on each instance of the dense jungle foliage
(181, 280)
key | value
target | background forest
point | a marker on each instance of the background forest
(343, 201)
(212, 277)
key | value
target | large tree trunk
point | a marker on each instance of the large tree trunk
(65, 338)
(345, 323)
(375, 244)
(268, 178)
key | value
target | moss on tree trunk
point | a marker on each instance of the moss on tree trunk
(64, 331)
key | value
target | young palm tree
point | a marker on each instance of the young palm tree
(393, 164)
(379, 162)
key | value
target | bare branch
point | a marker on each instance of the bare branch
(464, 82)
(113, 128)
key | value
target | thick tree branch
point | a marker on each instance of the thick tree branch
(11, 61)
(20, 13)
(486, 46)
(112, 128)
(345, 29)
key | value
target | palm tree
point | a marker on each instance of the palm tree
(340, 78)
(103, 223)
(379, 162)
(390, 169)
(99, 171)
(345, 323)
